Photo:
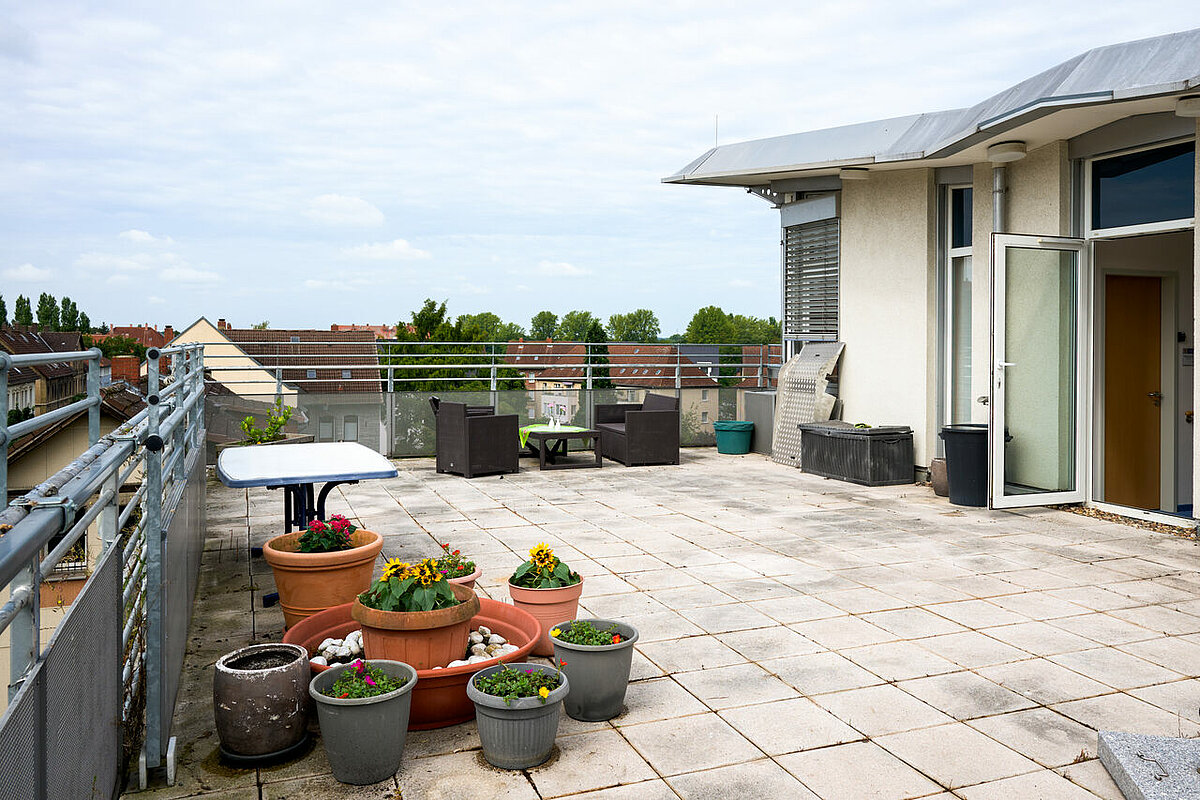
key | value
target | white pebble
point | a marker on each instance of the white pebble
(479, 649)
(484, 631)
(505, 649)
(319, 660)
(355, 648)
(477, 659)
(496, 638)
(344, 652)
(325, 644)
(475, 638)
(459, 663)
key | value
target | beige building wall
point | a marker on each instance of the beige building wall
(1195, 308)
(230, 365)
(888, 314)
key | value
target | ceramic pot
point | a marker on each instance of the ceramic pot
(549, 607)
(364, 736)
(260, 701)
(468, 580)
(518, 734)
(599, 674)
(423, 639)
(312, 582)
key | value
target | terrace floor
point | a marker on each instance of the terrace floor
(799, 637)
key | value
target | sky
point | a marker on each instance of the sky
(306, 163)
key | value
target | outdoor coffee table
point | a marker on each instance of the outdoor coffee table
(296, 468)
(535, 438)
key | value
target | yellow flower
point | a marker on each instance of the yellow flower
(394, 568)
(555, 632)
(544, 692)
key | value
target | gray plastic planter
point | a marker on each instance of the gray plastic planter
(520, 735)
(364, 736)
(599, 675)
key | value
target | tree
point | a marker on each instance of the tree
(119, 346)
(85, 324)
(68, 315)
(22, 312)
(3, 312)
(261, 326)
(428, 323)
(509, 332)
(752, 330)
(575, 325)
(640, 325)
(482, 327)
(47, 312)
(710, 325)
(597, 348)
(543, 325)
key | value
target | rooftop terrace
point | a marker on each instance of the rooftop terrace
(799, 637)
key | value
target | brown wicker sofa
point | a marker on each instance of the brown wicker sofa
(640, 433)
(473, 440)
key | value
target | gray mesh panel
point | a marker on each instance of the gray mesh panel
(19, 751)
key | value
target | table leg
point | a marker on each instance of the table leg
(541, 453)
(596, 448)
(325, 490)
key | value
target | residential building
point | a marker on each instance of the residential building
(44, 387)
(1027, 262)
(380, 331)
(146, 335)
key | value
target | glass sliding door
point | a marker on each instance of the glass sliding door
(1036, 397)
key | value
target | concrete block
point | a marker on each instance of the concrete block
(1152, 767)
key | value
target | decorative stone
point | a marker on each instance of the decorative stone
(475, 638)
(478, 650)
(496, 638)
(477, 659)
(461, 662)
(484, 631)
(324, 645)
(1151, 767)
(320, 661)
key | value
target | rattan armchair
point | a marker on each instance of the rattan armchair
(471, 440)
(640, 433)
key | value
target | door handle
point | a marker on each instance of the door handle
(1003, 364)
(1156, 397)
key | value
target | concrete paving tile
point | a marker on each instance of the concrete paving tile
(767, 643)
(643, 668)
(749, 781)
(1104, 629)
(1038, 605)
(817, 673)
(880, 710)
(691, 653)
(916, 593)
(1035, 784)
(706, 741)
(1115, 668)
(786, 726)
(1097, 598)
(862, 601)
(590, 761)
(691, 597)
(658, 699)
(801, 608)
(1040, 638)
(1048, 738)
(659, 626)
(656, 789)
(1093, 776)
(721, 572)
(976, 614)
(619, 605)
(1123, 712)
(857, 771)
(913, 623)
(972, 649)
(606, 584)
(723, 619)
(1180, 697)
(964, 695)
(838, 633)
(325, 786)
(1043, 682)
(1173, 653)
(897, 661)
(956, 755)
(737, 685)
(459, 776)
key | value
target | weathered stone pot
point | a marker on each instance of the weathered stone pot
(424, 639)
(599, 674)
(549, 607)
(312, 582)
(364, 736)
(518, 734)
(260, 700)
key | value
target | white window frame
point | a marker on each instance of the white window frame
(1129, 230)
(951, 253)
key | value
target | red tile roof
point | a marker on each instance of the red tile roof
(352, 356)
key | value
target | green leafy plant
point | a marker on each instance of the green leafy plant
(363, 680)
(543, 570)
(275, 421)
(585, 633)
(409, 587)
(453, 564)
(510, 683)
(327, 537)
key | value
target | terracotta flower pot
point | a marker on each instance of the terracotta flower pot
(312, 582)
(549, 607)
(468, 580)
(423, 639)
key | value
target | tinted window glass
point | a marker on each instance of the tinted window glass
(960, 218)
(1150, 186)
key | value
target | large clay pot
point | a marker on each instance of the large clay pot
(312, 582)
(424, 639)
(260, 700)
(519, 733)
(364, 736)
(549, 607)
(440, 698)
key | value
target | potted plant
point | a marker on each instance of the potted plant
(547, 589)
(323, 566)
(458, 568)
(258, 702)
(411, 613)
(517, 708)
(363, 710)
(272, 433)
(596, 655)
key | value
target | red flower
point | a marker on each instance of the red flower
(616, 638)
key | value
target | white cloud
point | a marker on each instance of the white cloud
(27, 273)
(107, 261)
(155, 301)
(395, 250)
(560, 269)
(341, 210)
(145, 237)
(186, 274)
(118, 278)
(742, 283)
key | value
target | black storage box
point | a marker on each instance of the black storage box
(880, 456)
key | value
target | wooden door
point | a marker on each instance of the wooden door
(1132, 390)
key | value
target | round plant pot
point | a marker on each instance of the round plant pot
(364, 736)
(549, 607)
(260, 702)
(520, 735)
(599, 674)
(312, 582)
(440, 698)
(468, 580)
(424, 639)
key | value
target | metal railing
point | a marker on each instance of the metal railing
(127, 486)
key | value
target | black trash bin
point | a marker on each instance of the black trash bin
(967, 463)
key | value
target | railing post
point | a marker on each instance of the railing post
(93, 392)
(588, 396)
(5, 363)
(494, 384)
(278, 383)
(25, 629)
(154, 566)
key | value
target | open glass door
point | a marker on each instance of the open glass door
(1037, 391)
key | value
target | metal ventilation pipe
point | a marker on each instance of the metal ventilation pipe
(1001, 154)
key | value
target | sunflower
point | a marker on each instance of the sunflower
(394, 568)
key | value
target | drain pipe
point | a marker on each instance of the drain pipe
(999, 174)
(1000, 155)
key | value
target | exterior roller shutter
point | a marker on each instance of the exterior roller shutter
(810, 281)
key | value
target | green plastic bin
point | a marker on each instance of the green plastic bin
(733, 436)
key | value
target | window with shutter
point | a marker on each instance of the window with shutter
(810, 283)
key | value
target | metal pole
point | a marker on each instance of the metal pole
(93, 390)
(389, 406)
(278, 383)
(5, 363)
(154, 567)
(998, 190)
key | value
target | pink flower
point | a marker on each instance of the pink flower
(369, 681)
